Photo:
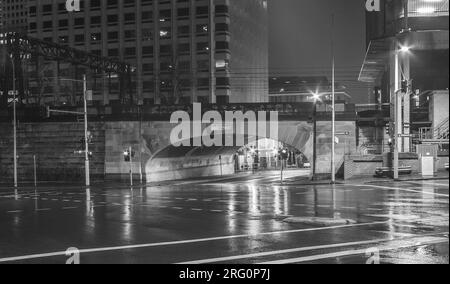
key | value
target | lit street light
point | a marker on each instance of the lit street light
(398, 107)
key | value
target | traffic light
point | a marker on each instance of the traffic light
(284, 154)
(388, 129)
(127, 155)
(406, 86)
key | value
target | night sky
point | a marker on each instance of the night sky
(300, 40)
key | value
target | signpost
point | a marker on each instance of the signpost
(86, 94)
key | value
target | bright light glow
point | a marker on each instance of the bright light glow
(405, 49)
(426, 10)
(316, 96)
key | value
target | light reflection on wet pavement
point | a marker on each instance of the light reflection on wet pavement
(237, 220)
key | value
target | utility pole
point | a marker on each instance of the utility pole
(333, 99)
(86, 142)
(316, 97)
(14, 121)
(131, 165)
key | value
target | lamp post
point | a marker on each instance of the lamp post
(333, 103)
(86, 132)
(398, 121)
(86, 142)
(316, 98)
(14, 121)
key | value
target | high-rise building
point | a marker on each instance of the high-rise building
(407, 61)
(183, 51)
(13, 15)
(416, 31)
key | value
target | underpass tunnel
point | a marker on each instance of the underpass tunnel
(264, 154)
(186, 162)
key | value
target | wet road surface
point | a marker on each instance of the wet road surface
(234, 220)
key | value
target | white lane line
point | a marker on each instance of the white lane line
(356, 252)
(431, 183)
(43, 209)
(324, 206)
(69, 208)
(286, 251)
(196, 209)
(398, 188)
(177, 208)
(116, 248)
(348, 207)
(302, 205)
(14, 211)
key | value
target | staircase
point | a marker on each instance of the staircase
(438, 134)
(441, 131)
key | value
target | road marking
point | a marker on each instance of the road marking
(398, 188)
(302, 205)
(15, 211)
(69, 208)
(410, 244)
(195, 209)
(43, 209)
(177, 208)
(431, 183)
(128, 247)
(348, 207)
(286, 251)
(375, 209)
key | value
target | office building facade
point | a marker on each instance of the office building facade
(183, 51)
(407, 61)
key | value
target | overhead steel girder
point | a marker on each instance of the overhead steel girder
(21, 45)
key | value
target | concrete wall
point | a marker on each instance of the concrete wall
(54, 145)
(156, 138)
(439, 107)
(357, 166)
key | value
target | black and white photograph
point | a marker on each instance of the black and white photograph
(225, 138)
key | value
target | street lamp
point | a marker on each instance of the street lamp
(316, 98)
(86, 132)
(401, 49)
(14, 121)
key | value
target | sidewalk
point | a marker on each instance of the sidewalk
(124, 184)
(368, 180)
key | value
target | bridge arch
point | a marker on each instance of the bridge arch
(174, 163)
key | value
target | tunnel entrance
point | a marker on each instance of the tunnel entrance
(264, 154)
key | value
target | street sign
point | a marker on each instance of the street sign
(405, 135)
(89, 95)
(347, 133)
